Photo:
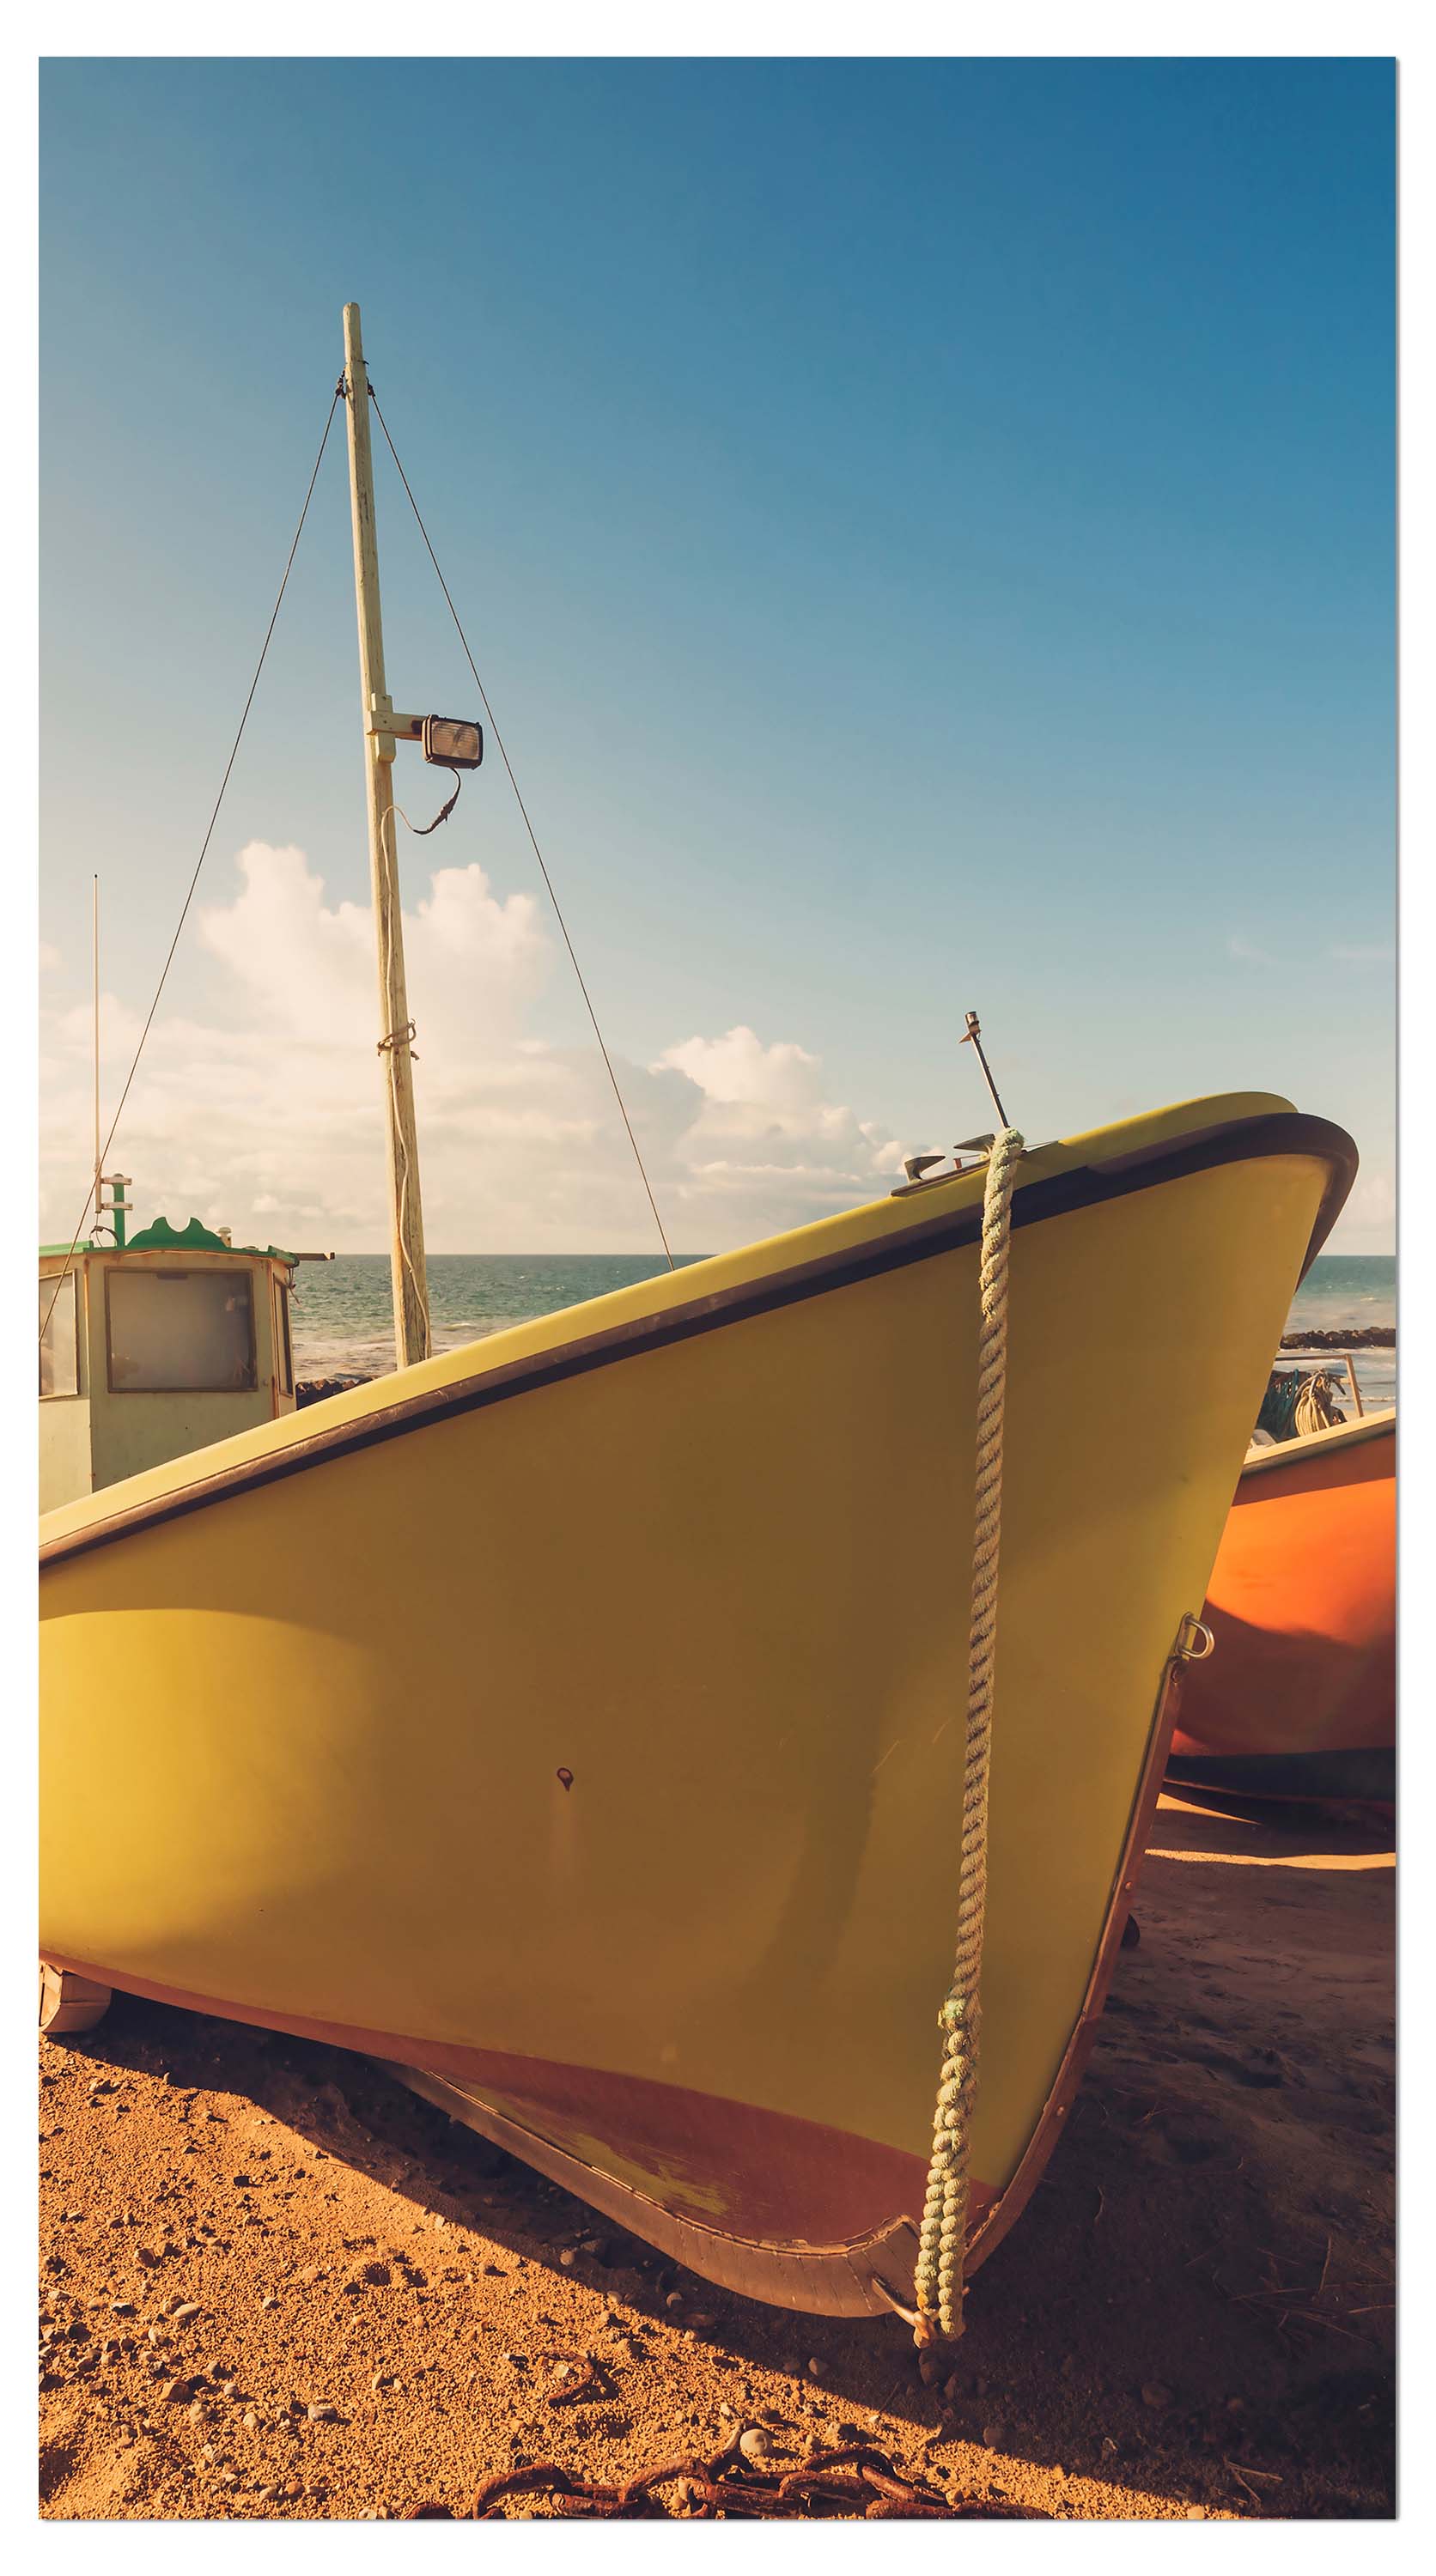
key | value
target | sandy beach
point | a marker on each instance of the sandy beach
(275, 2284)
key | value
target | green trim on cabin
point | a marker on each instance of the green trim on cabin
(163, 1237)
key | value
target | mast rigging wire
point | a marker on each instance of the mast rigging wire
(533, 837)
(199, 863)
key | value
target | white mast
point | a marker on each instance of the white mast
(406, 1249)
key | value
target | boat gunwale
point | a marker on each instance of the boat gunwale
(1319, 1444)
(1062, 1193)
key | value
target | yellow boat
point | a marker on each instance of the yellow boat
(576, 1719)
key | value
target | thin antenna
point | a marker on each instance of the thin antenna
(972, 1036)
(96, 945)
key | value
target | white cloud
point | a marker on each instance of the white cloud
(309, 967)
(267, 1117)
(739, 1067)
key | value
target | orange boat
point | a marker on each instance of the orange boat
(1299, 1699)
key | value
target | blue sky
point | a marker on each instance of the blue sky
(927, 530)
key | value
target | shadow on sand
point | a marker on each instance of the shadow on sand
(1202, 2282)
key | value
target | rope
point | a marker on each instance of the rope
(1294, 1405)
(1316, 1405)
(943, 2241)
(103, 1156)
(533, 836)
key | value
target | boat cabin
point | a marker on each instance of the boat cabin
(154, 1347)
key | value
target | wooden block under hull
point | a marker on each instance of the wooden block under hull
(69, 2002)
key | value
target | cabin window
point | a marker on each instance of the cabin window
(189, 1331)
(283, 1354)
(59, 1343)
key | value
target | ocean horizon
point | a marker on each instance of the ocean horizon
(343, 1326)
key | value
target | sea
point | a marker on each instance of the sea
(342, 1314)
(343, 1323)
(1341, 1292)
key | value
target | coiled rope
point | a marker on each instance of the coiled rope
(943, 2240)
(1316, 1405)
(1294, 1405)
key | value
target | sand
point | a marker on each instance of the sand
(276, 2285)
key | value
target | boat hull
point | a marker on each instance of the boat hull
(577, 1720)
(1300, 1697)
